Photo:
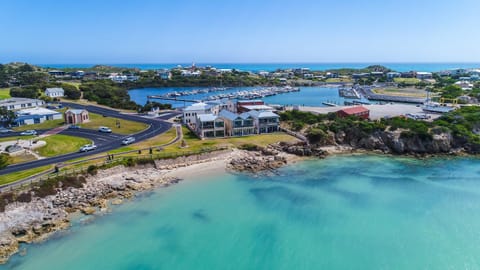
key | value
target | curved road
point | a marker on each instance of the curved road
(108, 141)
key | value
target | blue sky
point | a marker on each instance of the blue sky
(141, 31)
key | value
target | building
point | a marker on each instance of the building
(164, 74)
(393, 75)
(190, 113)
(465, 85)
(209, 126)
(54, 92)
(56, 73)
(242, 103)
(76, 116)
(409, 74)
(237, 125)
(424, 75)
(358, 111)
(20, 103)
(265, 121)
(35, 116)
(248, 108)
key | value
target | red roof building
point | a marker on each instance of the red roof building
(358, 111)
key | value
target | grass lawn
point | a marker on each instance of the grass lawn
(335, 80)
(155, 141)
(406, 80)
(61, 144)
(25, 157)
(4, 93)
(403, 92)
(14, 138)
(126, 127)
(49, 124)
(195, 144)
(12, 177)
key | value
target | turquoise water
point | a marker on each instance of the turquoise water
(360, 212)
(433, 67)
(308, 96)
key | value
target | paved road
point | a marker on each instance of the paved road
(157, 126)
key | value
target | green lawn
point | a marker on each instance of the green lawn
(49, 124)
(25, 157)
(16, 176)
(61, 144)
(155, 141)
(406, 80)
(126, 127)
(4, 93)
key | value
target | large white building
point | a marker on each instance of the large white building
(20, 103)
(190, 113)
(36, 116)
(54, 92)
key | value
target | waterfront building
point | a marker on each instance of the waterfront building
(36, 115)
(54, 92)
(393, 75)
(358, 111)
(20, 103)
(209, 126)
(265, 121)
(237, 124)
(424, 75)
(190, 113)
(242, 103)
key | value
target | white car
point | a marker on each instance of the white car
(88, 147)
(128, 140)
(28, 133)
(105, 129)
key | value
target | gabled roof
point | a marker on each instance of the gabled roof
(53, 90)
(262, 114)
(198, 107)
(355, 110)
(75, 111)
(228, 115)
(206, 117)
(245, 115)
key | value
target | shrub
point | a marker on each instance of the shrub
(249, 147)
(92, 170)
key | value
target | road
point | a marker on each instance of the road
(106, 142)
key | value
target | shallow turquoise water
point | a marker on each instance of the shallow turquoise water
(360, 212)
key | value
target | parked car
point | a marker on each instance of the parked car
(128, 140)
(105, 129)
(5, 130)
(28, 133)
(73, 127)
(88, 147)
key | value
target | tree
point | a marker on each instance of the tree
(26, 92)
(452, 91)
(6, 116)
(71, 91)
(4, 160)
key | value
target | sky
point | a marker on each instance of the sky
(243, 31)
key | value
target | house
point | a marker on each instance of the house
(190, 113)
(76, 116)
(265, 121)
(358, 111)
(209, 126)
(237, 125)
(20, 103)
(393, 75)
(465, 85)
(242, 103)
(164, 74)
(54, 92)
(424, 75)
(118, 78)
(56, 73)
(308, 76)
(248, 108)
(409, 74)
(35, 116)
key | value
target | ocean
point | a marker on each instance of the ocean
(344, 212)
(402, 67)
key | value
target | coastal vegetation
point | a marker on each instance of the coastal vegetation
(458, 129)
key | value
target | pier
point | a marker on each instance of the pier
(171, 98)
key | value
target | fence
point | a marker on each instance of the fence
(102, 161)
(296, 135)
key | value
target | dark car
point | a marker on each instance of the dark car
(73, 127)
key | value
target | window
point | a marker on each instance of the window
(209, 134)
(219, 124)
(219, 133)
(237, 123)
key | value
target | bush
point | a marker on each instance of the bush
(24, 197)
(92, 170)
(249, 147)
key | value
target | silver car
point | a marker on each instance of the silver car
(88, 147)
(128, 140)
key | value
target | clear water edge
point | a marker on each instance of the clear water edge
(344, 212)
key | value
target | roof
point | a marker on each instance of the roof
(354, 110)
(250, 101)
(228, 115)
(206, 117)
(53, 90)
(75, 111)
(15, 101)
(198, 107)
(37, 111)
(262, 114)
(258, 107)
